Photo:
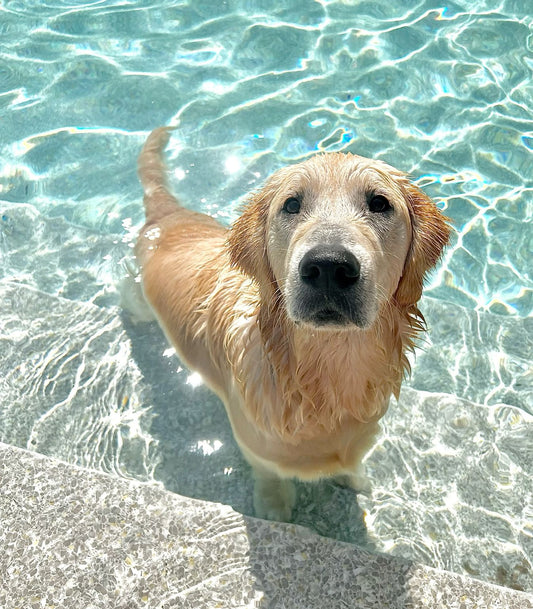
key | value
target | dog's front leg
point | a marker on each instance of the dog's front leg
(274, 497)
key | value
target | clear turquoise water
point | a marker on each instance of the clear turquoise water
(442, 91)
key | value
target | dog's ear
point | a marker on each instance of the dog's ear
(430, 233)
(247, 240)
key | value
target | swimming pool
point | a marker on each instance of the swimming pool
(443, 92)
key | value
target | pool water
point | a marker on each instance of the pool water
(443, 92)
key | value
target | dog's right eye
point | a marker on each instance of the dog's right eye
(379, 204)
(291, 205)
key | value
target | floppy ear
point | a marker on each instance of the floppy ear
(247, 241)
(430, 233)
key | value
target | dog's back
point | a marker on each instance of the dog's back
(180, 253)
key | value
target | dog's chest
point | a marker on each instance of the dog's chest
(308, 452)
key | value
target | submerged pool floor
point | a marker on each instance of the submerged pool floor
(443, 93)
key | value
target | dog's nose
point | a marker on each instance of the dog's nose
(327, 267)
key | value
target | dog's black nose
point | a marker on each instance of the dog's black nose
(329, 267)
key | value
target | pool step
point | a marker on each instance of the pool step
(77, 538)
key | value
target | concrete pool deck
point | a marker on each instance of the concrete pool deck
(74, 537)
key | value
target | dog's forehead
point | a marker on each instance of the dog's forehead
(338, 170)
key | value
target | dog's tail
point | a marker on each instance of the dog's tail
(158, 200)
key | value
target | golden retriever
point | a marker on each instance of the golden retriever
(299, 316)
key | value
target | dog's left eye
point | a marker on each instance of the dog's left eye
(292, 205)
(379, 204)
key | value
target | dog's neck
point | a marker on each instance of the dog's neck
(317, 379)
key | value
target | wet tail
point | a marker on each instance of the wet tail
(158, 200)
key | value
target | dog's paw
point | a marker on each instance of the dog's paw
(357, 482)
(274, 498)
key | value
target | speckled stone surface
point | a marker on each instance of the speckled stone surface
(73, 538)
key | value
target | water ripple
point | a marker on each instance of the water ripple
(475, 355)
(64, 399)
(470, 476)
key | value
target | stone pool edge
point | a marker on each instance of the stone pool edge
(75, 537)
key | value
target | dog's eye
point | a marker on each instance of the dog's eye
(291, 205)
(379, 204)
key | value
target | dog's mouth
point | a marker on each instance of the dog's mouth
(331, 319)
(330, 311)
(327, 317)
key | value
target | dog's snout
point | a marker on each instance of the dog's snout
(327, 267)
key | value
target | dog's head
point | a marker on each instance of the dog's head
(338, 236)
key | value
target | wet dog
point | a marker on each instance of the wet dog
(300, 315)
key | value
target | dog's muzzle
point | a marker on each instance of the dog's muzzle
(329, 276)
